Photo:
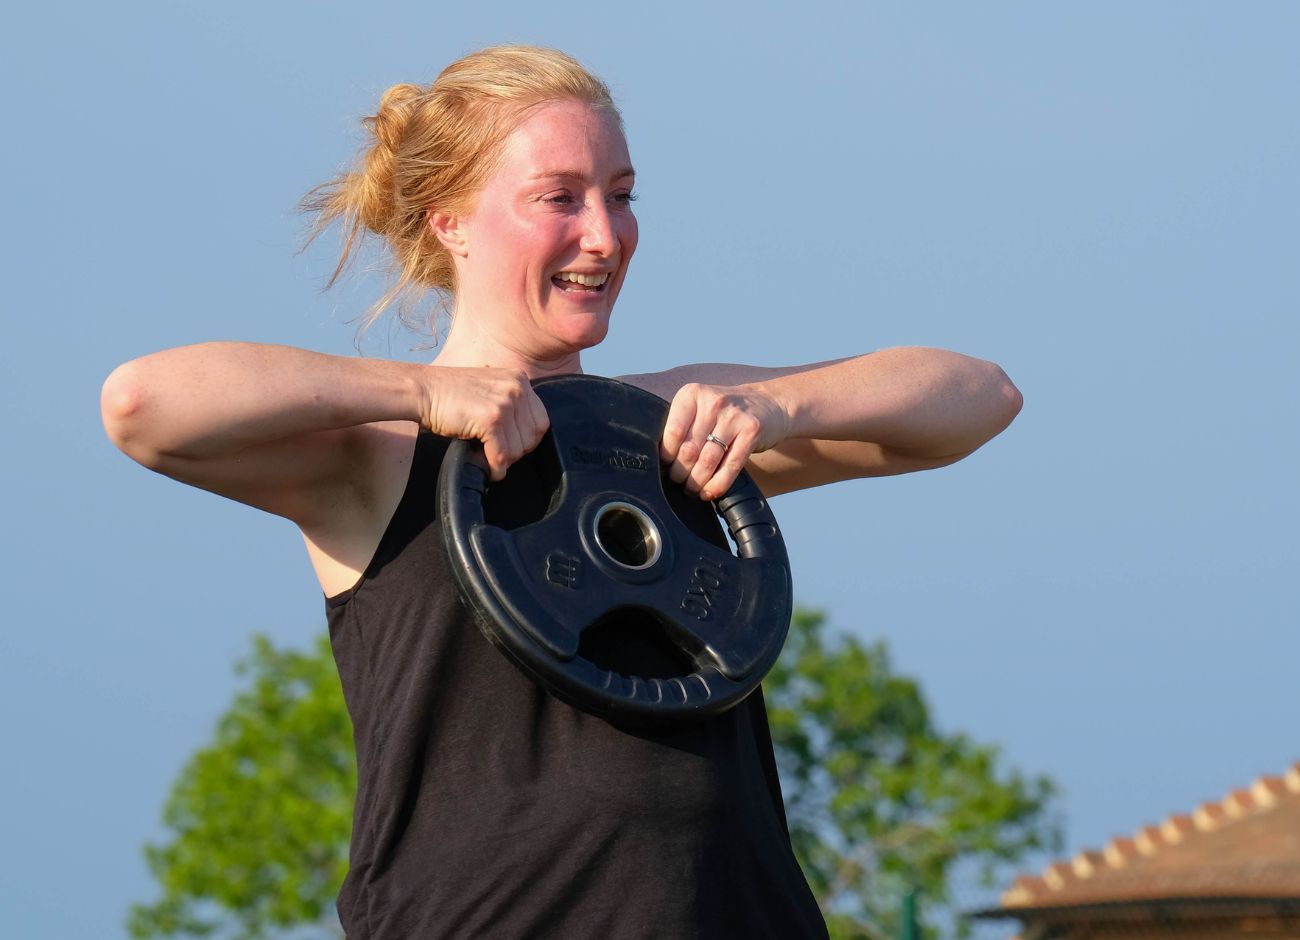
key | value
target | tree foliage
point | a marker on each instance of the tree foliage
(260, 818)
(878, 799)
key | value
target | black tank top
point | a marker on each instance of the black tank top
(486, 808)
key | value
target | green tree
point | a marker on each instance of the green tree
(878, 800)
(259, 820)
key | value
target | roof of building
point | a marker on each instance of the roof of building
(1246, 845)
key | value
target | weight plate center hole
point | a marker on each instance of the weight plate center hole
(628, 535)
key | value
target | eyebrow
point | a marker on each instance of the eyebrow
(572, 174)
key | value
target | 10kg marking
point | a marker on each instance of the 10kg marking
(708, 581)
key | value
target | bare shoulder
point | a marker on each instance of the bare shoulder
(667, 383)
(664, 384)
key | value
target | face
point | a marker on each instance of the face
(547, 244)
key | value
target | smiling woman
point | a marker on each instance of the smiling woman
(486, 807)
(550, 234)
(436, 146)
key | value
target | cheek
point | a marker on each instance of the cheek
(506, 236)
(538, 244)
(629, 233)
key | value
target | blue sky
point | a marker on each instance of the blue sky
(1102, 197)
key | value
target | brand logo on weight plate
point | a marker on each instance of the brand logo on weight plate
(618, 459)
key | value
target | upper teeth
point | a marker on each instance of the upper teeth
(586, 280)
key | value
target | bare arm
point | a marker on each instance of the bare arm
(292, 431)
(892, 411)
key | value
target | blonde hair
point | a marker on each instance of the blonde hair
(433, 148)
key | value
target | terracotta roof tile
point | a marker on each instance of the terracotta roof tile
(1245, 845)
(1120, 851)
(1177, 828)
(1239, 803)
(1023, 890)
(1267, 790)
(1149, 840)
(1058, 875)
(1292, 778)
(1087, 863)
(1209, 816)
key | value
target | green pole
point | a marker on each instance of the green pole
(908, 929)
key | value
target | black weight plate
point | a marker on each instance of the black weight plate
(605, 562)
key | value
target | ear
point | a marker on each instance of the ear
(451, 232)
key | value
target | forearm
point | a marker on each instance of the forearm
(215, 399)
(917, 401)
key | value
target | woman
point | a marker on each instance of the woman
(485, 807)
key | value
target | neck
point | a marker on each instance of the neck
(466, 346)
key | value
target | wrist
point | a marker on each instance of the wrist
(420, 392)
(782, 408)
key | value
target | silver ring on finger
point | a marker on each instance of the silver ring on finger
(714, 439)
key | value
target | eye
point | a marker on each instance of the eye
(625, 199)
(560, 199)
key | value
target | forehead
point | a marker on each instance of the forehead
(565, 138)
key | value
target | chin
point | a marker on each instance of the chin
(582, 332)
(590, 338)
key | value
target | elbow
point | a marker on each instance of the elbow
(122, 405)
(1009, 396)
(1002, 403)
(120, 401)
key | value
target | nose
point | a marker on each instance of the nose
(598, 236)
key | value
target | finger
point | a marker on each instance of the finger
(677, 428)
(513, 441)
(693, 448)
(681, 467)
(713, 450)
(494, 450)
(707, 419)
(742, 448)
(537, 422)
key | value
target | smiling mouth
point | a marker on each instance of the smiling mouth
(580, 283)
